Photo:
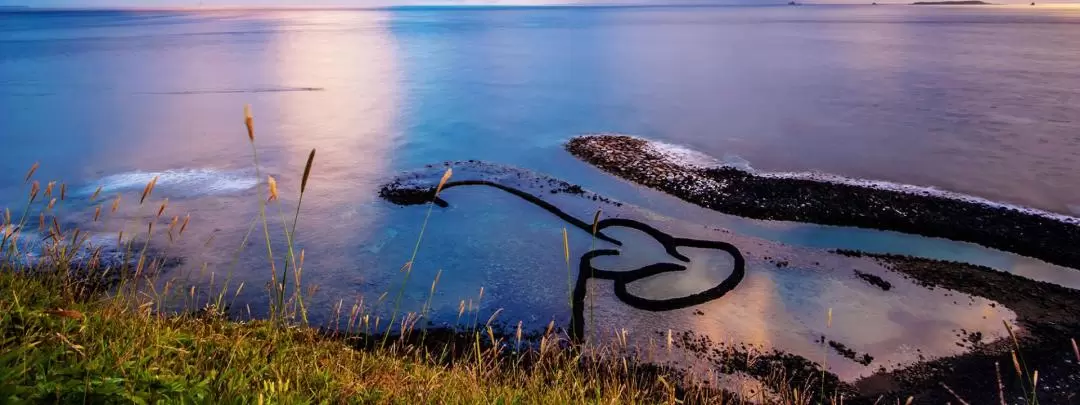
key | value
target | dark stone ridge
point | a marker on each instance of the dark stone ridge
(851, 354)
(742, 193)
(874, 280)
(404, 193)
(623, 278)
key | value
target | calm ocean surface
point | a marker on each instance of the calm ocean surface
(983, 101)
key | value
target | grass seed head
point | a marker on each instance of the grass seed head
(249, 122)
(445, 178)
(35, 188)
(307, 171)
(183, 226)
(161, 210)
(148, 189)
(30, 173)
(595, 221)
(272, 182)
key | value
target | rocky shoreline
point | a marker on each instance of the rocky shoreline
(743, 193)
(1044, 310)
(1046, 317)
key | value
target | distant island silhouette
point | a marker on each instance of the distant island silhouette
(952, 3)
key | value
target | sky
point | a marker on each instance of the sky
(337, 3)
(383, 3)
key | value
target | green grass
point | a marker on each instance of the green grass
(60, 348)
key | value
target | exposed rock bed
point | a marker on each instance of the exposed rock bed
(1046, 314)
(744, 193)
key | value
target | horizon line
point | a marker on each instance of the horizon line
(25, 8)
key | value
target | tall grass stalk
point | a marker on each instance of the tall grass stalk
(569, 274)
(592, 271)
(825, 354)
(290, 240)
(276, 307)
(1020, 367)
(416, 249)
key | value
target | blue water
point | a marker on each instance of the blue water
(981, 101)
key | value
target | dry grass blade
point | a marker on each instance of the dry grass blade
(493, 316)
(307, 171)
(566, 246)
(148, 189)
(909, 399)
(595, 221)
(445, 178)
(1011, 334)
(77, 348)
(828, 322)
(96, 193)
(65, 313)
(30, 173)
(55, 228)
(116, 204)
(97, 213)
(1000, 385)
(962, 401)
(52, 203)
(1076, 350)
(249, 122)
(49, 188)
(1035, 381)
(63, 191)
(1016, 365)
(272, 182)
